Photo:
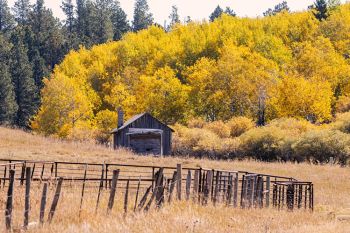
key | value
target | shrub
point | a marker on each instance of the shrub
(294, 126)
(265, 143)
(105, 121)
(343, 104)
(342, 122)
(202, 143)
(320, 145)
(196, 123)
(219, 128)
(240, 125)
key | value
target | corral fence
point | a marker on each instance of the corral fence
(151, 186)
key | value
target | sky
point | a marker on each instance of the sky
(196, 9)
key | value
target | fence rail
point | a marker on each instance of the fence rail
(160, 185)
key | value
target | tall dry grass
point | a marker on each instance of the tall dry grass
(331, 183)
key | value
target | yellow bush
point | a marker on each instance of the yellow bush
(196, 123)
(240, 125)
(219, 128)
(342, 122)
(343, 104)
(294, 126)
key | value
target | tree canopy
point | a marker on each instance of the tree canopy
(285, 65)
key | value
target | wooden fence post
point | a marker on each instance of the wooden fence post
(290, 197)
(137, 193)
(179, 180)
(216, 192)
(156, 189)
(42, 172)
(195, 184)
(100, 188)
(3, 184)
(243, 192)
(83, 190)
(23, 173)
(32, 175)
(229, 190)
(172, 186)
(43, 204)
(188, 185)
(144, 198)
(55, 200)
(235, 192)
(27, 198)
(126, 197)
(267, 191)
(9, 202)
(113, 190)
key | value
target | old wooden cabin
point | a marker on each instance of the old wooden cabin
(144, 134)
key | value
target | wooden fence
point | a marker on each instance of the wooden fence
(151, 186)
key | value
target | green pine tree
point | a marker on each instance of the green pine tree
(68, 9)
(174, 17)
(22, 77)
(47, 35)
(69, 29)
(230, 12)
(216, 14)
(321, 9)
(6, 18)
(101, 23)
(119, 21)
(8, 106)
(142, 17)
(22, 10)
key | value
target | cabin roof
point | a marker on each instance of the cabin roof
(135, 118)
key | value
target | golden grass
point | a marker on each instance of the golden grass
(331, 183)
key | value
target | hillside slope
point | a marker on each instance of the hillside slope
(331, 192)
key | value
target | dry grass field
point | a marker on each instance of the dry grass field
(331, 184)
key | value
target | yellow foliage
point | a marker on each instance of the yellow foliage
(66, 104)
(288, 65)
(301, 98)
(239, 125)
(105, 121)
(219, 128)
(343, 104)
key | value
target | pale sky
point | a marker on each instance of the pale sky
(197, 9)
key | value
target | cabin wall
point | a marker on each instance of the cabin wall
(145, 122)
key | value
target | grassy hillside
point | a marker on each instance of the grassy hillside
(331, 194)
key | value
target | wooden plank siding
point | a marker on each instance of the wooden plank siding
(145, 121)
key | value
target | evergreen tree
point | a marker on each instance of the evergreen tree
(188, 20)
(174, 17)
(142, 17)
(230, 12)
(82, 21)
(22, 10)
(68, 9)
(47, 35)
(69, 29)
(102, 27)
(283, 6)
(22, 77)
(119, 21)
(216, 14)
(8, 106)
(321, 9)
(6, 19)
